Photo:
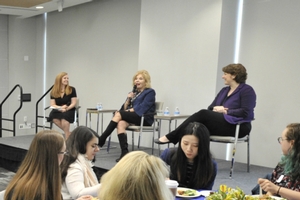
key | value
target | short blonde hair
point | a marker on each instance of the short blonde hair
(137, 176)
(145, 75)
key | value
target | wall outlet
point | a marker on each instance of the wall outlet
(27, 126)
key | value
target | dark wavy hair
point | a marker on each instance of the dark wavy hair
(203, 168)
(238, 70)
(76, 144)
(291, 161)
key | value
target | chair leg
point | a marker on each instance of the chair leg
(237, 130)
(248, 154)
(108, 144)
(232, 163)
(132, 141)
(139, 141)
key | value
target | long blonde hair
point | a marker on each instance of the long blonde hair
(39, 176)
(137, 176)
(55, 92)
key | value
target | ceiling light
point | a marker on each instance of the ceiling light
(39, 7)
(60, 4)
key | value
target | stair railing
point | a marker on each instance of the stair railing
(15, 113)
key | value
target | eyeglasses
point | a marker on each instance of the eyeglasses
(64, 153)
(280, 139)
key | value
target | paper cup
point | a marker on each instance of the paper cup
(172, 185)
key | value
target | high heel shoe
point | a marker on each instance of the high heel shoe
(157, 141)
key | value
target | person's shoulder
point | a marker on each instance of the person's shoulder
(149, 90)
(245, 87)
(75, 165)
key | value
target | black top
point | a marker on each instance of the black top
(65, 100)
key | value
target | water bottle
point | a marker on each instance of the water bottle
(176, 112)
(99, 106)
(166, 112)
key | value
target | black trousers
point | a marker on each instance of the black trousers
(215, 123)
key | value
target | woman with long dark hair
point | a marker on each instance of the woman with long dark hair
(191, 163)
(77, 174)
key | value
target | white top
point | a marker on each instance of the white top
(74, 187)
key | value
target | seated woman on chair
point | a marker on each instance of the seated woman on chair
(286, 174)
(77, 174)
(191, 164)
(63, 99)
(140, 101)
(234, 104)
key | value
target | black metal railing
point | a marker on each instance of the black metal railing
(15, 113)
(37, 116)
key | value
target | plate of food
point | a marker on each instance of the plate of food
(262, 197)
(187, 192)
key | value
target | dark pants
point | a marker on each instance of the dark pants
(215, 123)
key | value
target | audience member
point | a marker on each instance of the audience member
(234, 103)
(77, 173)
(140, 101)
(287, 173)
(63, 101)
(191, 163)
(38, 177)
(138, 176)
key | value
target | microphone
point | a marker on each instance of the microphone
(134, 89)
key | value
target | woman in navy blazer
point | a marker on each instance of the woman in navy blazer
(140, 101)
(234, 103)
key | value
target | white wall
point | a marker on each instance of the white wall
(270, 49)
(179, 47)
(183, 44)
(4, 65)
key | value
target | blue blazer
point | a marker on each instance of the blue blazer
(145, 103)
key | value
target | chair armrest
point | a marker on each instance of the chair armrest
(47, 108)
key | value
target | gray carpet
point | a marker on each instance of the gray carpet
(246, 181)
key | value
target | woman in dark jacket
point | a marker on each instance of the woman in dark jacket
(234, 104)
(140, 101)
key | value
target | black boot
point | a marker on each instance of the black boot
(109, 129)
(123, 144)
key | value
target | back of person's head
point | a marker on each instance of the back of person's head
(137, 176)
(76, 144)
(39, 176)
(202, 164)
(145, 75)
(238, 70)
